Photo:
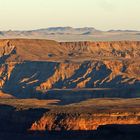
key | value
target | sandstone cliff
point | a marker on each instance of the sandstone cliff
(33, 115)
(83, 121)
(30, 66)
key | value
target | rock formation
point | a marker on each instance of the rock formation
(83, 121)
(30, 66)
(21, 115)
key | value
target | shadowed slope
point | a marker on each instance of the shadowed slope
(28, 67)
(28, 78)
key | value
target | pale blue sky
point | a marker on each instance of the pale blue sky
(101, 14)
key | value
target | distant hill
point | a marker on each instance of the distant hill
(52, 30)
(66, 30)
(73, 34)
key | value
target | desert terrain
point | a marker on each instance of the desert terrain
(71, 34)
(62, 90)
(103, 118)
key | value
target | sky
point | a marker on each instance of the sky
(101, 14)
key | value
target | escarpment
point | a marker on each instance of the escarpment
(83, 121)
(124, 49)
(22, 115)
(66, 79)
(34, 66)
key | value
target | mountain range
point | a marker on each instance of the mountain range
(73, 34)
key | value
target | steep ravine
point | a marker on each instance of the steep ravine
(28, 67)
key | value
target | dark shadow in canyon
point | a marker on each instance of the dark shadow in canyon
(35, 73)
(67, 97)
(14, 125)
(38, 72)
(107, 132)
(13, 120)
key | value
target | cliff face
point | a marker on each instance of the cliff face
(93, 74)
(31, 77)
(18, 116)
(43, 50)
(124, 49)
(83, 121)
(30, 66)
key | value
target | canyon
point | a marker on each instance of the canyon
(91, 119)
(47, 87)
(31, 67)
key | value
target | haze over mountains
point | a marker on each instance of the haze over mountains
(74, 34)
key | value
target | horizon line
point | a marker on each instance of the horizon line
(74, 27)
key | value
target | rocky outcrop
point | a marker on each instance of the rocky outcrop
(31, 66)
(22, 118)
(44, 50)
(32, 77)
(124, 49)
(83, 121)
(92, 74)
